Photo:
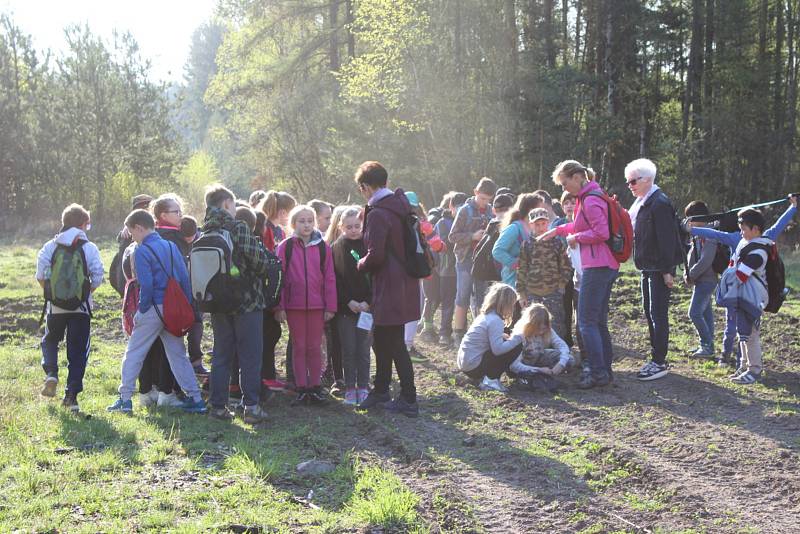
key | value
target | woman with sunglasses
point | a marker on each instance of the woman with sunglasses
(589, 231)
(657, 250)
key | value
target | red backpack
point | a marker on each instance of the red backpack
(620, 228)
(178, 316)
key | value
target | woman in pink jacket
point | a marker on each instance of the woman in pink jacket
(308, 300)
(589, 231)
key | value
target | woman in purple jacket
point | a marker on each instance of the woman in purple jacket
(589, 231)
(308, 300)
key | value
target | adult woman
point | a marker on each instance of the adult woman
(589, 231)
(514, 232)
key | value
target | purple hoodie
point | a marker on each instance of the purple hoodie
(591, 229)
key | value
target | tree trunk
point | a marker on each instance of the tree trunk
(333, 22)
(351, 39)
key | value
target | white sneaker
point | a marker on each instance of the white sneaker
(490, 384)
(148, 399)
(169, 400)
(49, 387)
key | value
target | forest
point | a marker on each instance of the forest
(293, 94)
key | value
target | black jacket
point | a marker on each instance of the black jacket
(656, 239)
(350, 284)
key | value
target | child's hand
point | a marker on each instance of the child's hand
(557, 369)
(669, 280)
(354, 306)
(364, 307)
(328, 316)
(280, 316)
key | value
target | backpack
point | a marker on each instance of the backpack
(215, 278)
(620, 228)
(68, 285)
(178, 315)
(484, 266)
(130, 305)
(418, 259)
(722, 258)
(776, 275)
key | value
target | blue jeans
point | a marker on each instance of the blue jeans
(593, 300)
(655, 301)
(469, 292)
(701, 313)
(77, 328)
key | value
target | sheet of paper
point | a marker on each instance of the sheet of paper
(365, 321)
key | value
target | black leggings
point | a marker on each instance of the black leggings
(494, 366)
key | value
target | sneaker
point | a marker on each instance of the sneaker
(351, 397)
(737, 372)
(652, 371)
(374, 399)
(49, 387)
(589, 380)
(223, 414)
(445, 340)
(703, 352)
(317, 396)
(457, 337)
(337, 389)
(121, 406)
(302, 398)
(169, 400)
(254, 415)
(492, 384)
(148, 399)
(70, 402)
(747, 378)
(200, 371)
(415, 355)
(429, 335)
(402, 406)
(274, 384)
(361, 395)
(725, 360)
(194, 406)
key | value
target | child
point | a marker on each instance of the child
(699, 274)
(275, 205)
(743, 289)
(238, 333)
(308, 300)
(333, 372)
(446, 268)
(732, 239)
(74, 319)
(543, 351)
(189, 229)
(195, 337)
(353, 296)
(486, 351)
(323, 212)
(152, 256)
(571, 291)
(514, 231)
(544, 271)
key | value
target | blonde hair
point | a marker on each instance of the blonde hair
(535, 321)
(500, 299)
(570, 167)
(275, 201)
(296, 211)
(340, 213)
(160, 205)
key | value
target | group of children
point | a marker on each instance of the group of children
(522, 303)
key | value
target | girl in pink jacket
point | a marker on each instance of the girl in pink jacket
(308, 300)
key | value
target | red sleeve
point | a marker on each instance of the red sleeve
(268, 239)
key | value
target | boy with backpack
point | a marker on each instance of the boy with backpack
(229, 265)
(160, 268)
(69, 269)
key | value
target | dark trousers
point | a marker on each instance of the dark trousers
(193, 340)
(447, 303)
(431, 289)
(568, 309)
(272, 334)
(655, 301)
(236, 335)
(333, 366)
(388, 342)
(494, 365)
(76, 326)
(156, 371)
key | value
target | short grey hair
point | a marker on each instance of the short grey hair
(642, 168)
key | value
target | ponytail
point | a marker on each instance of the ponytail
(522, 207)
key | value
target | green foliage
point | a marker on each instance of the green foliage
(200, 171)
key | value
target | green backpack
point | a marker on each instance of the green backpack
(68, 285)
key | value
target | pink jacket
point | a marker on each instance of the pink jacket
(306, 287)
(591, 229)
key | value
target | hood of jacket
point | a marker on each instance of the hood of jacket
(70, 235)
(216, 219)
(397, 203)
(316, 239)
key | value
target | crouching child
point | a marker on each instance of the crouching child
(152, 257)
